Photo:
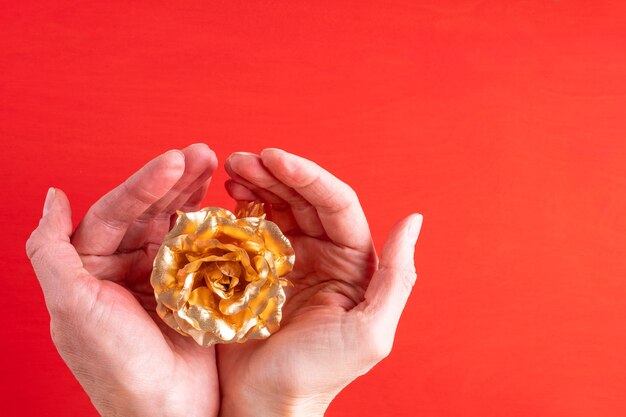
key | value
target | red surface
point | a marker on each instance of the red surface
(504, 123)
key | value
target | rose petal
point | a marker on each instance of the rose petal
(166, 265)
(269, 319)
(241, 301)
(172, 288)
(202, 337)
(168, 317)
(261, 266)
(231, 269)
(240, 232)
(250, 209)
(175, 297)
(259, 331)
(259, 303)
(279, 245)
(195, 265)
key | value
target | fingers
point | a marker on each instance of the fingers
(107, 221)
(154, 222)
(200, 164)
(288, 209)
(278, 213)
(336, 203)
(194, 201)
(55, 261)
(239, 192)
(129, 269)
(321, 204)
(391, 285)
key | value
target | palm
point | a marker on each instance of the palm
(130, 309)
(312, 319)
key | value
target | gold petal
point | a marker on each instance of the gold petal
(260, 331)
(245, 328)
(231, 269)
(165, 269)
(261, 266)
(202, 317)
(250, 209)
(203, 296)
(239, 233)
(253, 248)
(211, 272)
(210, 229)
(168, 317)
(259, 303)
(195, 265)
(273, 313)
(233, 282)
(279, 245)
(201, 337)
(242, 300)
(269, 319)
(175, 297)
(220, 291)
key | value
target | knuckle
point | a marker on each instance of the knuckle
(298, 203)
(60, 308)
(306, 176)
(141, 195)
(405, 276)
(342, 199)
(109, 223)
(408, 278)
(350, 193)
(37, 256)
(32, 244)
(67, 308)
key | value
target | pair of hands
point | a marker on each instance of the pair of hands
(338, 322)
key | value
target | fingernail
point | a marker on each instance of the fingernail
(416, 225)
(237, 155)
(204, 145)
(271, 150)
(177, 152)
(49, 199)
(242, 154)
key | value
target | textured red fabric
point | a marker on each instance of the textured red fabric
(504, 123)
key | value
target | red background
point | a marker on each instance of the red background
(504, 123)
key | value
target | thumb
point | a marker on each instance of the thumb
(56, 221)
(54, 259)
(391, 285)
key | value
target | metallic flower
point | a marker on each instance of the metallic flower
(219, 277)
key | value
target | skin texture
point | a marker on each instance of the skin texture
(338, 322)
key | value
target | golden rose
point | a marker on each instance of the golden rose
(218, 277)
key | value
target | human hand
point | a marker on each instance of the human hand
(340, 317)
(96, 283)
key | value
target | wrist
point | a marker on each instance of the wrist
(249, 403)
(113, 403)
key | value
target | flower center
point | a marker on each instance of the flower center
(222, 277)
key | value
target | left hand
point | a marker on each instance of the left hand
(340, 317)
